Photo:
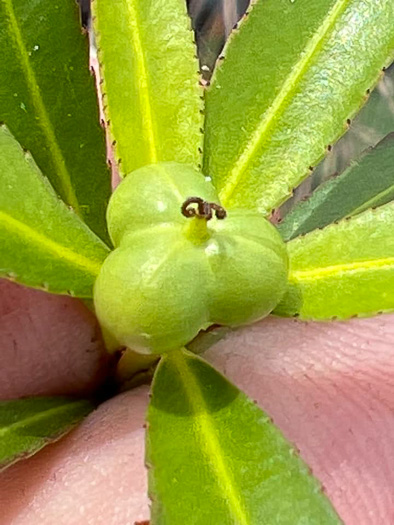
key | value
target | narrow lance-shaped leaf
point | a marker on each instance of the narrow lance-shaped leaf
(370, 126)
(27, 425)
(42, 243)
(344, 270)
(150, 86)
(215, 457)
(291, 76)
(48, 101)
(367, 183)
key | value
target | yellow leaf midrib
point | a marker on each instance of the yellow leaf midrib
(204, 426)
(147, 123)
(43, 119)
(29, 236)
(44, 414)
(279, 103)
(337, 270)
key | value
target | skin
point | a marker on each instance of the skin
(328, 386)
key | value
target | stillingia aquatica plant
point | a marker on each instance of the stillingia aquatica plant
(185, 242)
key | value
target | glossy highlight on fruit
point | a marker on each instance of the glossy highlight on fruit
(181, 263)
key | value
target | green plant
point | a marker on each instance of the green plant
(270, 113)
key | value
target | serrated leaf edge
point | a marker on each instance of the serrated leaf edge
(331, 183)
(208, 435)
(91, 266)
(103, 93)
(295, 276)
(278, 105)
(315, 273)
(219, 64)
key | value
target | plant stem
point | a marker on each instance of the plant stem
(197, 230)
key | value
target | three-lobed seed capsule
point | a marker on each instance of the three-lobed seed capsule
(181, 262)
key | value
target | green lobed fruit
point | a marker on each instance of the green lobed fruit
(172, 275)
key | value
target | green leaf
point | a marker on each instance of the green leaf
(42, 243)
(292, 75)
(367, 183)
(377, 116)
(27, 425)
(150, 81)
(215, 457)
(371, 125)
(48, 101)
(344, 270)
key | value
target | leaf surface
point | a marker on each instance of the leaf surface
(291, 76)
(344, 270)
(367, 183)
(48, 101)
(215, 457)
(27, 425)
(150, 84)
(42, 243)
(370, 126)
